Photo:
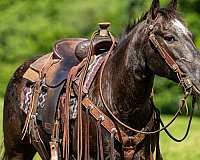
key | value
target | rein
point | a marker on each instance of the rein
(114, 130)
(186, 83)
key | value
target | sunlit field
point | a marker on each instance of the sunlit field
(186, 150)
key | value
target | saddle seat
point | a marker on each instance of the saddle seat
(66, 54)
(100, 45)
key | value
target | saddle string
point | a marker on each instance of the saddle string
(80, 89)
(66, 104)
(87, 138)
(100, 140)
(30, 124)
(37, 88)
(31, 110)
(70, 78)
(84, 66)
(86, 63)
(65, 142)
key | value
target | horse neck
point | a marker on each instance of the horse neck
(127, 82)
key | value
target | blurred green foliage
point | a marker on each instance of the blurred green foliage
(29, 28)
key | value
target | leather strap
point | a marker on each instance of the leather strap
(36, 139)
(100, 140)
(32, 110)
(184, 80)
(168, 59)
(65, 105)
(109, 125)
(97, 114)
(87, 137)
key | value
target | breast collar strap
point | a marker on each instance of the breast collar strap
(128, 142)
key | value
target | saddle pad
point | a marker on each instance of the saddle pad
(49, 96)
(94, 66)
(46, 105)
(27, 99)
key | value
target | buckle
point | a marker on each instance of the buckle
(186, 83)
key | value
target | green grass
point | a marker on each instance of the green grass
(186, 150)
(189, 149)
(1, 119)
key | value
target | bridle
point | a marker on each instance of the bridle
(184, 81)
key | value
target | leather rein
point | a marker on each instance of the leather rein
(109, 123)
(184, 81)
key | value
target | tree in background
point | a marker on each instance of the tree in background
(29, 28)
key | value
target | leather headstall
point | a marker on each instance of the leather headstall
(184, 80)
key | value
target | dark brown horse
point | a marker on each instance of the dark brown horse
(127, 82)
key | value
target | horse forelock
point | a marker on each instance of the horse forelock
(180, 27)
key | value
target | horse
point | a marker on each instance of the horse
(158, 44)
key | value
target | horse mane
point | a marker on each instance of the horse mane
(166, 12)
(132, 25)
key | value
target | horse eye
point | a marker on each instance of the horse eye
(169, 39)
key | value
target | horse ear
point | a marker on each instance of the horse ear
(173, 5)
(154, 8)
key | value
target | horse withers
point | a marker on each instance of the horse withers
(159, 44)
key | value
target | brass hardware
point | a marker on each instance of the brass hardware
(188, 83)
(151, 27)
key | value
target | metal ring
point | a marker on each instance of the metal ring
(101, 117)
(151, 27)
(91, 106)
(113, 130)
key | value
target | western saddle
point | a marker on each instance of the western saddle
(49, 73)
(54, 74)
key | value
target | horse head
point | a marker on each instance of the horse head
(171, 47)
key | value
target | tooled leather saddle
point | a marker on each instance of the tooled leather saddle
(52, 70)
(49, 74)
